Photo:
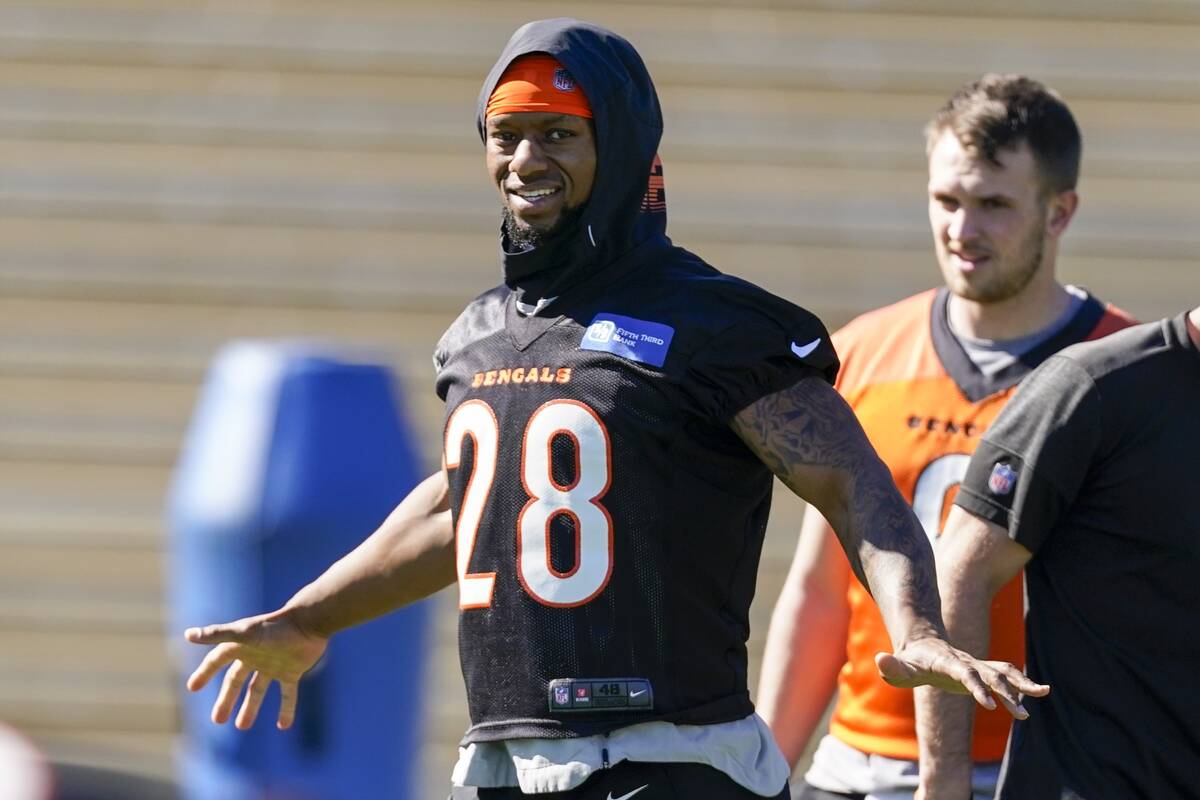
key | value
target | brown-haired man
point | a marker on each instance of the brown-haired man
(926, 377)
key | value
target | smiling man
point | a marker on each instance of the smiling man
(541, 151)
(615, 411)
(926, 377)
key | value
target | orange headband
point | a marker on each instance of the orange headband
(537, 83)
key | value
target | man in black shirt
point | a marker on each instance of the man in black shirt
(1088, 481)
(615, 411)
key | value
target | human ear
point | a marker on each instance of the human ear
(1060, 210)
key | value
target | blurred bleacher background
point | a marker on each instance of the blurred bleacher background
(175, 174)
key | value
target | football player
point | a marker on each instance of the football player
(926, 377)
(615, 411)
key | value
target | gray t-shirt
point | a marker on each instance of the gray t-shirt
(743, 749)
(1094, 467)
(993, 356)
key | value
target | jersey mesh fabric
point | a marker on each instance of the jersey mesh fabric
(687, 500)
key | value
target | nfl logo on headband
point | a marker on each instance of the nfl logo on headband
(563, 80)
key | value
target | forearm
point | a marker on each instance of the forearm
(800, 667)
(975, 558)
(895, 556)
(945, 720)
(410, 556)
(810, 438)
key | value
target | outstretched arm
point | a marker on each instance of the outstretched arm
(806, 642)
(809, 437)
(410, 556)
(975, 558)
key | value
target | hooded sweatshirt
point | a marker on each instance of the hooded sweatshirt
(608, 520)
(628, 125)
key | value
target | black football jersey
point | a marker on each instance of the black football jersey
(608, 520)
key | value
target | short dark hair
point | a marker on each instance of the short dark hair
(998, 112)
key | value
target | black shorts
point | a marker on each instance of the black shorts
(633, 780)
(807, 792)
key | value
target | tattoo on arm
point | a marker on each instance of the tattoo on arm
(809, 437)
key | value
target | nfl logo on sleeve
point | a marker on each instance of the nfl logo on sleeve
(1002, 479)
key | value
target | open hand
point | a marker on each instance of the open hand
(269, 647)
(933, 662)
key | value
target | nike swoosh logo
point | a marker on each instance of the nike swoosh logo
(627, 796)
(806, 349)
(635, 694)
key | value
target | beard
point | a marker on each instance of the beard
(523, 237)
(1009, 281)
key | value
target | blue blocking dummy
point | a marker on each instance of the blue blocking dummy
(293, 457)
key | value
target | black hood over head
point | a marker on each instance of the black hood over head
(626, 206)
